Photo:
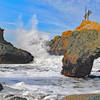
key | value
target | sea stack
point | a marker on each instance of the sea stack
(83, 48)
(12, 55)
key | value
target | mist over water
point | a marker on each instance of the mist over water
(32, 40)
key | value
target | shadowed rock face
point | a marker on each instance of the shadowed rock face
(83, 48)
(58, 45)
(11, 55)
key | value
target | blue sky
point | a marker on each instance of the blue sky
(53, 16)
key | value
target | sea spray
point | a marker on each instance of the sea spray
(42, 77)
(32, 39)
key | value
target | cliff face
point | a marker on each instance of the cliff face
(10, 54)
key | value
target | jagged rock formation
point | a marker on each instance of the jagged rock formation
(59, 44)
(83, 48)
(83, 97)
(88, 25)
(10, 54)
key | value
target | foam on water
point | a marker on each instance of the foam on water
(42, 78)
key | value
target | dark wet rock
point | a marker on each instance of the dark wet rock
(83, 97)
(93, 76)
(12, 55)
(1, 87)
(83, 48)
(98, 70)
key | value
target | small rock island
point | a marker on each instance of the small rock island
(12, 55)
(80, 48)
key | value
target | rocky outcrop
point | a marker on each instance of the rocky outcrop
(83, 48)
(11, 55)
(80, 47)
(59, 44)
(88, 25)
(83, 97)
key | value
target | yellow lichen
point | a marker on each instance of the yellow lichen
(88, 25)
(66, 33)
(56, 37)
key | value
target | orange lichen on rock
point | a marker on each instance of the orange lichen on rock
(88, 25)
(66, 33)
(56, 37)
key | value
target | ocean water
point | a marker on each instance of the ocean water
(41, 79)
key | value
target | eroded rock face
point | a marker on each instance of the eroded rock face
(11, 55)
(83, 48)
(58, 45)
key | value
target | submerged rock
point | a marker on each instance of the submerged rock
(11, 55)
(83, 97)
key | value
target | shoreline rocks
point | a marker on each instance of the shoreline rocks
(83, 97)
(59, 45)
(11, 55)
(80, 47)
